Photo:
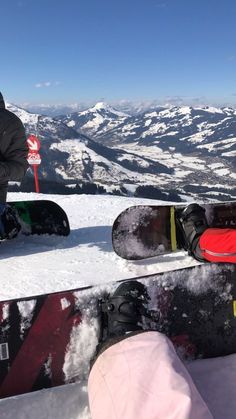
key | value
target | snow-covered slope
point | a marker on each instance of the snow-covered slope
(35, 265)
(185, 128)
(199, 144)
(205, 132)
(96, 120)
(88, 250)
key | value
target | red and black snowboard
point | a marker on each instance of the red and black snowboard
(49, 340)
(145, 231)
(41, 217)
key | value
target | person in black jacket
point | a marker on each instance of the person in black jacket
(13, 165)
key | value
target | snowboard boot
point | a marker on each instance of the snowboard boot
(192, 223)
(123, 313)
(9, 224)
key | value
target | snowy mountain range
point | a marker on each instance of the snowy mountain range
(182, 151)
(184, 129)
(199, 144)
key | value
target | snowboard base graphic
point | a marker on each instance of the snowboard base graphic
(145, 231)
(49, 340)
(41, 217)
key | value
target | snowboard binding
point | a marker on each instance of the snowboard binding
(191, 222)
(126, 311)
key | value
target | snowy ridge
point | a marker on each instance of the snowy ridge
(28, 118)
(98, 119)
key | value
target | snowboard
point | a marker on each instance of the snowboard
(49, 340)
(41, 217)
(145, 231)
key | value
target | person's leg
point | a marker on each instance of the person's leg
(137, 374)
(218, 245)
(192, 222)
(141, 377)
(202, 242)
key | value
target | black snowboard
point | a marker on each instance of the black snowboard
(144, 231)
(49, 340)
(41, 217)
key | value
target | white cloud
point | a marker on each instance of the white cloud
(47, 84)
(160, 4)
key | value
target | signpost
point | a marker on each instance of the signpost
(34, 158)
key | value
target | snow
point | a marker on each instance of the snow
(102, 106)
(230, 154)
(215, 165)
(83, 258)
(35, 265)
(222, 172)
(155, 129)
(221, 145)
(71, 123)
(151, 115)
(99, 114)
(96, 121)
(210, 109)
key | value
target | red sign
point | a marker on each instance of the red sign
(33, 144)
(34, 158)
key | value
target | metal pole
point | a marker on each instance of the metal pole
(36, 178)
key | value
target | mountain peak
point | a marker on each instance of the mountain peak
(101, 105)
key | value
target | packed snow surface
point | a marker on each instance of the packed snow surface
(38, 264)
(41, 264)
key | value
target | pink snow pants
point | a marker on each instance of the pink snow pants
(141, 377)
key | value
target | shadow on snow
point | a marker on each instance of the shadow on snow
(98, 236)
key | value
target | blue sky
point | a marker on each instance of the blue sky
(66, 51)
